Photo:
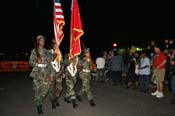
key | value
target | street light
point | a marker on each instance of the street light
(114, 45)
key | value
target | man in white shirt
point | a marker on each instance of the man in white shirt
(144, 73)
(100, 62)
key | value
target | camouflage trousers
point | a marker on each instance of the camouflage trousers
(40, 87)
(55, 88)
(85, 77)
(70, 84)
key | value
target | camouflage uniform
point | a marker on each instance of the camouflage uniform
(70, 83)
(39, 60)
(56, 81)
(40, 75)
(85, 76)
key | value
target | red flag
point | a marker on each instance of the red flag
(76, 30)
(58, 21)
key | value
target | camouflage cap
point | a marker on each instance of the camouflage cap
(40, 37)
(86, 50)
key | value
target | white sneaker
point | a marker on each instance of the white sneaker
(155, 93)
(160, 95)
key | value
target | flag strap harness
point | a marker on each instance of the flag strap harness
(56, 62)
(72, 68)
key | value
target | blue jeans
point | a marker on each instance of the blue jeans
(144, 83)
(173, 83)
(116, 77)
(100, 73)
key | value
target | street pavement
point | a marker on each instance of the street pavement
(16, 99)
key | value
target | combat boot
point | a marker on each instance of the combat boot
(57, 102)
(79, 98)
(74, 104)
(53, 105)
(39, 109)
(92, 102)
(66, 100)
(172, 101)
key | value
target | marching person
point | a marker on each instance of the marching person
(85, 76)
(56, 74)
(39, 60)
(71, 79)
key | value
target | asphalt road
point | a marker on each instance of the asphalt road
(16, 99)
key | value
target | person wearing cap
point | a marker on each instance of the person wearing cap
(71, 74)
(39, 62)
(56, 70)
(85, 75)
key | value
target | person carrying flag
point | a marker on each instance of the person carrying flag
(71, 79)
(56, 69)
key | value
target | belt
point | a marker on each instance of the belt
(42, 65)
(84, 70)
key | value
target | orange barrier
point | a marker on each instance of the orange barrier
(14, 66)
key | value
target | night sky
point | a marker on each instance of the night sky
(104, 22)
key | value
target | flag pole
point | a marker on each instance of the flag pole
(57, 38)
(57, 58)
(82, 43)
(91, 61)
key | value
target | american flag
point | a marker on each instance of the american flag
(58, 21)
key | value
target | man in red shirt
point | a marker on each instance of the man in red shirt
(159, 71)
